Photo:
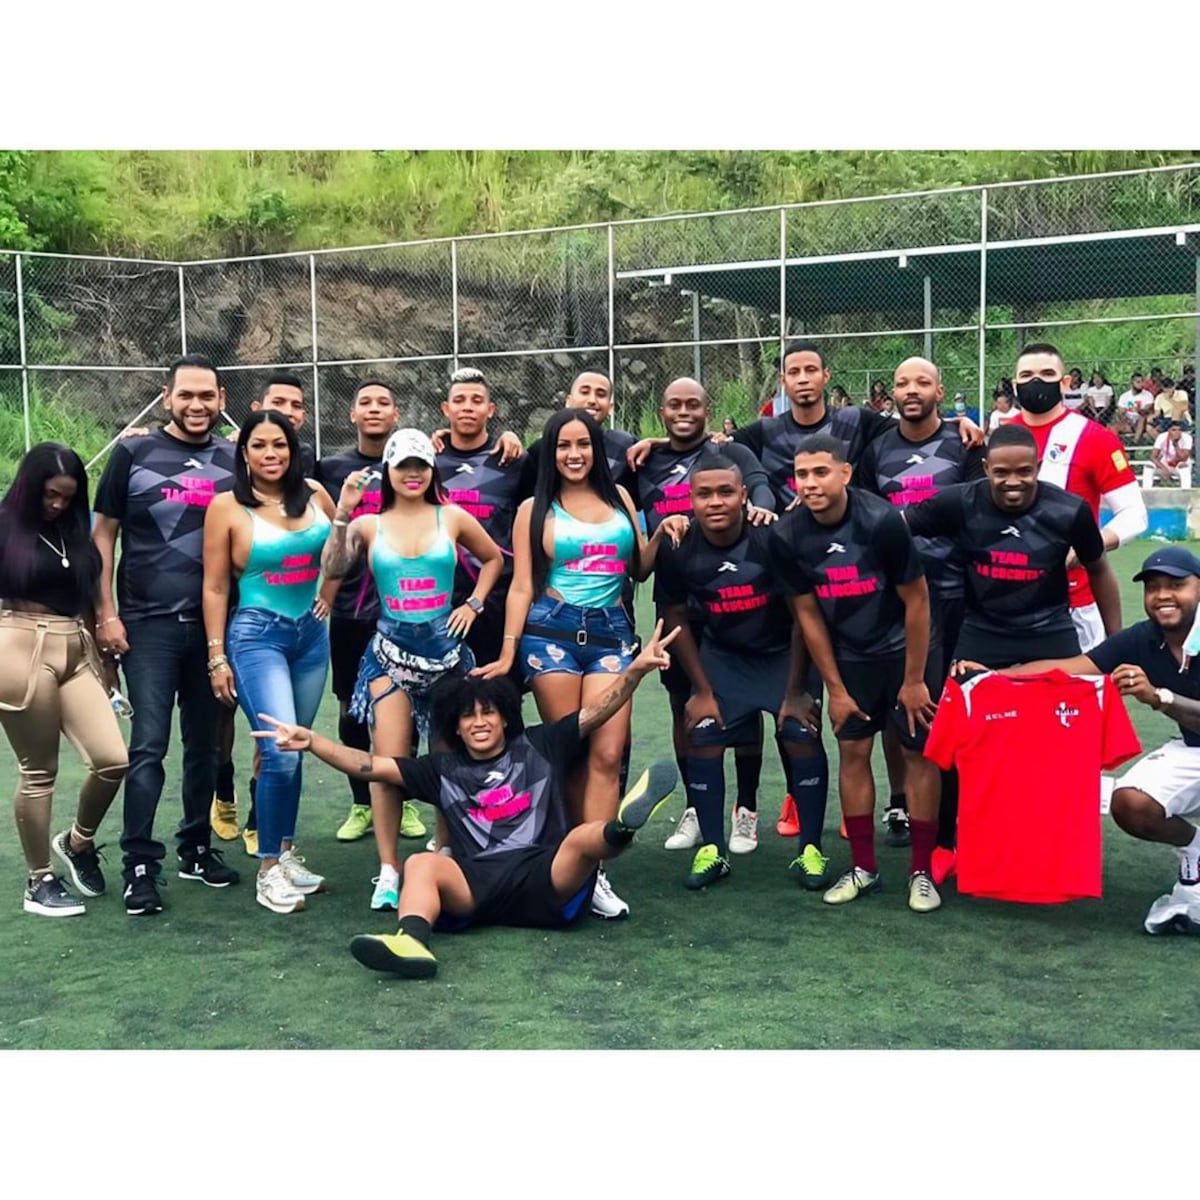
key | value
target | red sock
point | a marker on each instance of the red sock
(924, 836)
(861, 833)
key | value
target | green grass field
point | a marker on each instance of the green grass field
(753, 963)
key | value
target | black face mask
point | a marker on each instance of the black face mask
(1039, 395)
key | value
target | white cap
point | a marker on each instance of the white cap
(408, 443)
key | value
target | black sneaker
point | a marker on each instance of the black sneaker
(84, 865)
(141, 893)
(48, 897)
(206, 865)
(896, 822)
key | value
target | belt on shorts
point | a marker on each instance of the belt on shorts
(581, 637)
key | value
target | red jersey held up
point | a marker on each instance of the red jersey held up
(1087, 460)
(1029, 751)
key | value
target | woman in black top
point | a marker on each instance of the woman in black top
(50, 673)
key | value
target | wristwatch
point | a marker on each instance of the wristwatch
(476, 606)
(1165, 697)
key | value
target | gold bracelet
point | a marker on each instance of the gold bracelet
(108, 621)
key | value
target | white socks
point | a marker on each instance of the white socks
(1189, 860)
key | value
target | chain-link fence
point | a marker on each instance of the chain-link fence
(1105, 266)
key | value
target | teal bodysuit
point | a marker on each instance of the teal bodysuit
(417, 588)
(590, 561)
(284, 566)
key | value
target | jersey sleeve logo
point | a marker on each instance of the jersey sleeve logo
(1119, 460)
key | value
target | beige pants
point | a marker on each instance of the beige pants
(50, 685)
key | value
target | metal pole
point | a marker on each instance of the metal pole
(928, 322)
(696, 364)
(454, 298)
(612, 337)
(1196, 357)
(24, 359)
(782, 280)
(182, 315)
(983, 229)
(134, 420)
(316, 374)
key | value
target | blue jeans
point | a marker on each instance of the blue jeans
(279, 666)
(579, 641)
(167, 659)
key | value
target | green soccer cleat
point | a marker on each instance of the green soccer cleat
(411, 825)
(652, 790)
(397, 953)
(856, 882)
(707, 867)
(811, 869)
(356, 825)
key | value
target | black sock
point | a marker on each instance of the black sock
(898, 800)
(947, 837)
(616, 835)
(356, 735)
(748, 769)
(416, 927)
(252, 819)
(808, 778)
(225, 782)
(706, 794)
(681, 763)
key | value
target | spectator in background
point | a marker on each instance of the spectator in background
(775, 399)
(1171, 404)
(838, 397)
(1099, 398)
(878, 395)
(1187, 381)
(1073, 391)
(1003, 410)
(1154, 384)
(1005, 385)
(961, 408)
(728, 426)
(889, 409)
(1171, 448)
(1135, 406)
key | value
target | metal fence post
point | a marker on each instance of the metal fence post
(24, 357)
(983, 226)
(454, 297)
(182, 314)
(612, 339)
(312, 301)
(1196, 355)
(782, 282)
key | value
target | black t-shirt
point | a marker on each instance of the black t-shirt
(1015, 572)
(775, 440)
(511, 802)
(662, 480)
(1142, 645)
(905, 472)
(356, 599)
(734, 590)
(49, 583)
(160, 488)
(491, 493)
(853, 567)
(616, 443)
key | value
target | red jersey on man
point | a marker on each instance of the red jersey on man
(1087, 460)
(1029, 751)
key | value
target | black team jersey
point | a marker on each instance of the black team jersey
(775, 440)
(511, 802)
(357, 598)
(476, 482)
(853, 568)
(616, 443)
(1016, 578)
(734, 591)
(160, 488)
(905, 473)
(662, 480)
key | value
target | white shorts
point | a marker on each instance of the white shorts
(1170, 775)
(1089, 626)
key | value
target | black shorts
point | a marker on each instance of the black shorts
(674, 678)
(996, 652)
(348, 640)
(947, 621)
(875, 686)
(516, 889)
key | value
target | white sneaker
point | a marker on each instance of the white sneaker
(386, 896)
(605, 902)
(1176, 912)
(273, 891)
(743, 832)
(687, 832)
(298, 875)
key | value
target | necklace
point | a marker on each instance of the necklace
(267, 499)
(61, 551)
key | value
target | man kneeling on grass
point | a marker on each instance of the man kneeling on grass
(500, 789)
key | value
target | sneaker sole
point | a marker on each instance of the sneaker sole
(204, 880)
(740, 848)
(385, 907)
(374, 954)
(310, 889)
(699, 886)
(343, 836)
(653, 789)
(142, 912)
(64, 858)
(867, 891)
(39, 910)
(672, 844)
(280, 908)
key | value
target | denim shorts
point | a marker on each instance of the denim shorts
(578, 641)
(414, 655)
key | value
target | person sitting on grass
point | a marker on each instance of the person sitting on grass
(500, 789)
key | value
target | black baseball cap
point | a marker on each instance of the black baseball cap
(1172, 560)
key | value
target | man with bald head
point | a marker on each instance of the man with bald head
(913, 461)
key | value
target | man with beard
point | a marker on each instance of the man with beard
(1087, 460)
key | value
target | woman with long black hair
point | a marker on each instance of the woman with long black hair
(268, 534)
(574, 544)
(51, 678)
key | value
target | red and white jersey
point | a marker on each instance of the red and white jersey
(1029, 751)
(1089, 461)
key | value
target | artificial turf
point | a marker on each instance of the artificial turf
(753, 962)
